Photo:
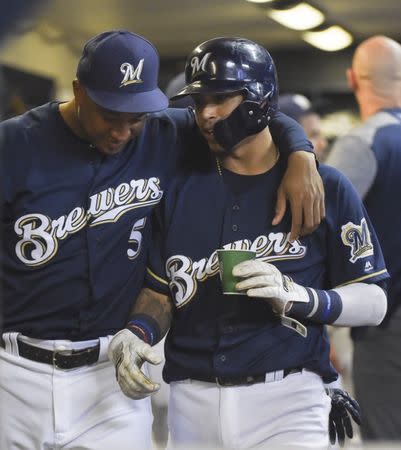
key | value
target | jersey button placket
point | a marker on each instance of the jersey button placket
(235, 209)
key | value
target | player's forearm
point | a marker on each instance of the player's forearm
(151, 316)
(288, 135)
(363, 304)
(357, 304)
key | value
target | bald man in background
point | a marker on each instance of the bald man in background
(370, 155)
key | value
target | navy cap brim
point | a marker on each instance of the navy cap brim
(141, 102)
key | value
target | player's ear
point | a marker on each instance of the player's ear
(351, 79)
(78, 89)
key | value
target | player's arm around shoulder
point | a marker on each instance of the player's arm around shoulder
(149, 321)
(182, 118)
(301, 185)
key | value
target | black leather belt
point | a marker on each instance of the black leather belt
(62, 359)
(245, 380)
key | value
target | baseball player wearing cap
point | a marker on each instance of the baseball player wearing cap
(246, 370)
(79, 181)
(300, 109)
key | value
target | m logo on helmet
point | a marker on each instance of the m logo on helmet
(199, 64)
(131, 75)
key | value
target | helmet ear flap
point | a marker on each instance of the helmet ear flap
(265, 100)
(247, 119)
(268, 95)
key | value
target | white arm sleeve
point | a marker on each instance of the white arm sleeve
(363, 304)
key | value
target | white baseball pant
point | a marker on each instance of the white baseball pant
(45, 408)
(291, 413)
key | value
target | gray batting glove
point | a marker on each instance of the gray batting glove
(128, 353)
(266, 281)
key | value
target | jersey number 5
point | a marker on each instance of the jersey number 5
(135, 238)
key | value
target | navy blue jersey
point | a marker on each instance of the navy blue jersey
(75, 223)
(217, 335)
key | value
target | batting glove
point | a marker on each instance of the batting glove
(128, 353)
(264, 280)
(342, 407)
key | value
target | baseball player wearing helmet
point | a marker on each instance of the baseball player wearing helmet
(79, 181)
(246, 370)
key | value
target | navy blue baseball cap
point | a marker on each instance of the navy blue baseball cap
(119, 70)
(295, 105)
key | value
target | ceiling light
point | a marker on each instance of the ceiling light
(331, 39)
(299, 17)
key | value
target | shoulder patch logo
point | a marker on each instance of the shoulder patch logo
(131, 74)
(358, 238)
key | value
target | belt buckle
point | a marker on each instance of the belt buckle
(84, 351)
(54, 358)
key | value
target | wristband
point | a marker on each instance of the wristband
(323, 306)
(145, 327)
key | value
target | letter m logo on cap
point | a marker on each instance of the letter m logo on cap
(131, 75)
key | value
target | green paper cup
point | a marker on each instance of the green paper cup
(227, 260)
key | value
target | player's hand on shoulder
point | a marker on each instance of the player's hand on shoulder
(128, 353)
(343, 408)
(303, 188)
(264, 280)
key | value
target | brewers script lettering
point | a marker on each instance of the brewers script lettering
(40, 234)
(184, 273)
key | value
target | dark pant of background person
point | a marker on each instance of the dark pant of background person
(377, 380)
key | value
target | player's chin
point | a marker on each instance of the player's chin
(215, 148)
(112, 148)
(218, 151)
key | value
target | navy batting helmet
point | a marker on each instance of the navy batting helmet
(224, 65)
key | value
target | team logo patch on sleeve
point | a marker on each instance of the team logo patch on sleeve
(358, 238)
